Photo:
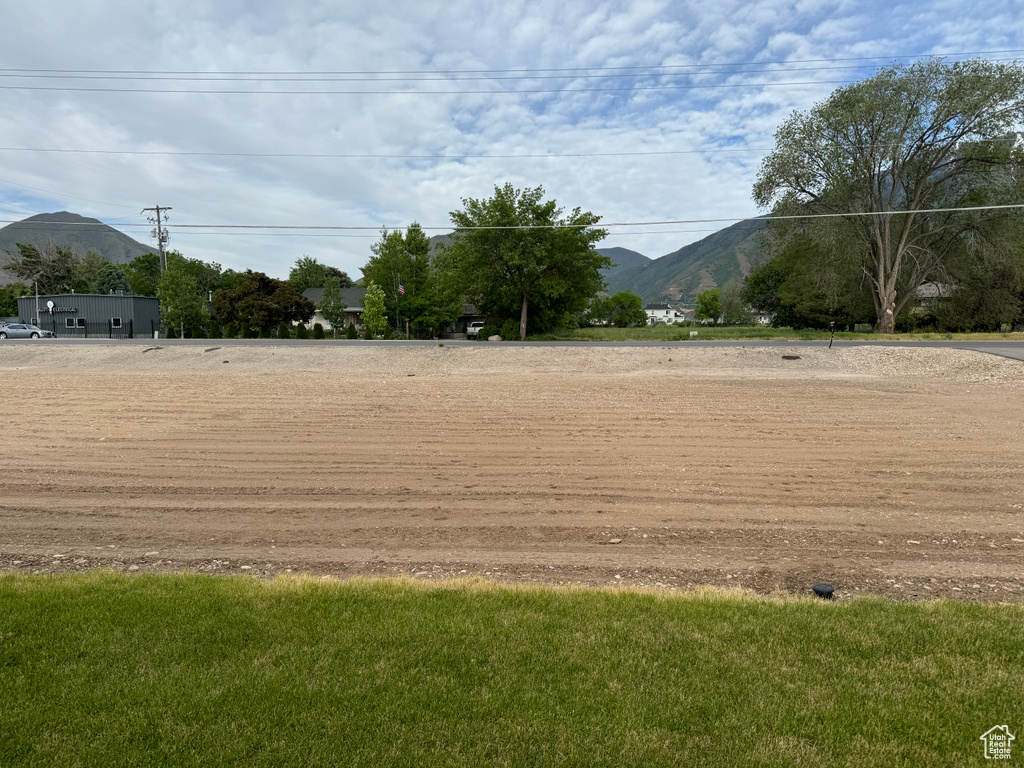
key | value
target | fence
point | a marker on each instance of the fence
(95, 330)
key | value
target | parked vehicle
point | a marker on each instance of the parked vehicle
(473, 329)
(24, 331)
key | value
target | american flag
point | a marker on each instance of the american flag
(401, 288)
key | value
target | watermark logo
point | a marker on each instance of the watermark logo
(997, 742)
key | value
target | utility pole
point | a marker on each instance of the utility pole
(159, 233)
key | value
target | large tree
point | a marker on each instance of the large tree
(517, 253)
(257, 302)
(892, 152)
(53, 268)
(143, 274)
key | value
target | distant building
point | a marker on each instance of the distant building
(663, 313)
(92, 315)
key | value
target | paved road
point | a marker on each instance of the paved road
(1011, 349)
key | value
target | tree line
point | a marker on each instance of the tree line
(519, 259)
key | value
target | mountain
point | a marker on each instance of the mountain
(69, 229)
(623, 259)
(682, 274)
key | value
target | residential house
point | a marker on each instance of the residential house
(352, 298)
(663, 313)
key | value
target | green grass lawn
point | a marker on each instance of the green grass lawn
(753, 332)
(108, 670)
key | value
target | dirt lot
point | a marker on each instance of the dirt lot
(877, 470)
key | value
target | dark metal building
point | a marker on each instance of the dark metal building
(112, 316)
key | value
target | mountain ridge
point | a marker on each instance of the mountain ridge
(71, 230)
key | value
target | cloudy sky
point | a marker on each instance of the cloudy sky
(357, 116)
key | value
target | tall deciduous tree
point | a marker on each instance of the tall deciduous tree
(331, 305)
(374, 315)
(709, 305)
(895, 149)
(182, 304)
(516, 251)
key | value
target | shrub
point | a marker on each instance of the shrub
(387, 331)
(215, 332)
(301, 332)
(487, 331)
(366, 332)
(510, 330)
(350, 332)
(231, 330)
(318, 331)
(283, 332)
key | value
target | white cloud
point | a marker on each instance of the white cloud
(395, 35)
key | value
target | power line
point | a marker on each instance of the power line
(387, 156)
(381, 156)
(468, 92)
(894, 57)
(599, 225)
(421, 77)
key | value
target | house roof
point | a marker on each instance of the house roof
(352, 298)
(661, 307)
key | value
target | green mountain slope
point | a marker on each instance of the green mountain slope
(69, 229)
(681, 275)
(623, 259)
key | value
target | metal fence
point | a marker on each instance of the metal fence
(101, 330)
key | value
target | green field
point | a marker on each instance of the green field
(108, 670)
(753, 332)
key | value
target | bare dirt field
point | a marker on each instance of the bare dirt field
(892, 471)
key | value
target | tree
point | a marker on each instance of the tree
(402, 261)
(374, 314)
(181, 303)
(111, 279)
(626, 310)
(310, 273)
(517, 254)
(709, 305)
(9, 298)
(259, 303)
(143, 274)
(733, 306)
(87, 271)
(331, 305)
(895, 149)
(804, 285)
(53, 268)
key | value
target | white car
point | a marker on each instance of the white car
(473, 329)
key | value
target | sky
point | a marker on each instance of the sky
(276, 130)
